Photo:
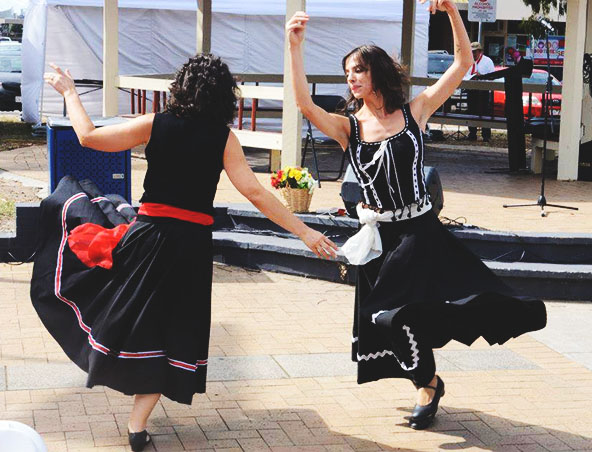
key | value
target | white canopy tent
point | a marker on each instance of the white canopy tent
(249, 36)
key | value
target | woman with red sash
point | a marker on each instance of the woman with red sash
(128, 297)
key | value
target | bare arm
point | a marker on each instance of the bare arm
(244, 180)
(424, 105)
(332, 125)
(113, 138)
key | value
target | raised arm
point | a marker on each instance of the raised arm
(113, 138)
(424, 105)
(332, 125)
(242, 177)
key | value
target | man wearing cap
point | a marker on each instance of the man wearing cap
(479, 101)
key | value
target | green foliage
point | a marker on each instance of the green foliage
(544, 6)
(532, 27)
(7, 208)
(541, 7)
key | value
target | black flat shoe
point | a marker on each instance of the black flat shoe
(138, 440)
(423, 415)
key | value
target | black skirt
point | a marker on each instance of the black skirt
(143, 326)
(427, 282)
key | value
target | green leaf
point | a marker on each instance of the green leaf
(544, 6)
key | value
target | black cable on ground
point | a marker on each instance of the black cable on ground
(16, 263)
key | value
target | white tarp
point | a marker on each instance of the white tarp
(249, 36)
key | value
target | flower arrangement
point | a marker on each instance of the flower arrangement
(293, 177)
(296, 185)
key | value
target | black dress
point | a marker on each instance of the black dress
(426, 288)
(143, 325)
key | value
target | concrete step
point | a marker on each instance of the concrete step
(504, 246)
(550, 266)
(291, 256)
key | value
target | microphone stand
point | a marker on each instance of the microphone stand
(547, 99)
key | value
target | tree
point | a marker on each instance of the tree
(531, 25)
(544, 6)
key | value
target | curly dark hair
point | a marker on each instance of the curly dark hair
(204, 86)
(389, 78)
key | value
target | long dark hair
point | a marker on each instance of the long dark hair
(389, 78)
(204, 87)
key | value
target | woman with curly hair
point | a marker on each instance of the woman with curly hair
(129, 298)
(418, 287)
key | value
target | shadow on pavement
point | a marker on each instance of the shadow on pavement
(302, 429)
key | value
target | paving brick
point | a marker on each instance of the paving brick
(505, 409)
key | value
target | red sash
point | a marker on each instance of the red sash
(94, 244)
(474, 68)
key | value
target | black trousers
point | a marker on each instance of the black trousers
(485, 132)
(479, 104)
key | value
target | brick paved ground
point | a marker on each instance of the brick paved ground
(279, 373)
(265, 392)
(470, 194)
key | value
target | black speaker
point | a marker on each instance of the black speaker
(351, 193)
(434, 189)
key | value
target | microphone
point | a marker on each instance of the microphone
(545, 23)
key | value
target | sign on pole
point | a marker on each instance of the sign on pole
(482, 10)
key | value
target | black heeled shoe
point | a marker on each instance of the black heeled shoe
(138, 440)
(423, 415)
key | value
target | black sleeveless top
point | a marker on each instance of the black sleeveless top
(390, 172)
(184, 162)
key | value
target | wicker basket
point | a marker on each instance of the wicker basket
(297, 199)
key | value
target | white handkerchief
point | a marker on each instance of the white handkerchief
(366, 244)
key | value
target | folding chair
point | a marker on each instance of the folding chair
(330, 104)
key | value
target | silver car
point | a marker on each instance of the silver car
(10, 76)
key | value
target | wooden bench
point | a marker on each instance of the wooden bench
(461, 119)
(263, 140)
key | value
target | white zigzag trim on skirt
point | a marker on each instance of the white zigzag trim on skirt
(375, 315)
(414, 350)
(370, 356)
(382, 354)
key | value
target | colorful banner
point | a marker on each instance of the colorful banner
(556, 50)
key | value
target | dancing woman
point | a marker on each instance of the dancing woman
(129, 298)
(417, 286)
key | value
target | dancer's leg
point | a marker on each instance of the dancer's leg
(143, 406)
(421, 367)
(415, 356)
(426, 395)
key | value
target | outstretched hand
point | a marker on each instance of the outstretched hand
(61, 81)
(440, 5)
(296, 27)
(319, 244)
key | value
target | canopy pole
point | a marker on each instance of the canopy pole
(203, 32)
(408, 37)
(291, 118)
(110, 57)
(572, 93)
(587, 96)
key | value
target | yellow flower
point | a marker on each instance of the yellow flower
(297, 175)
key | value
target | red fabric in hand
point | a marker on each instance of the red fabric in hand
(94, 244)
